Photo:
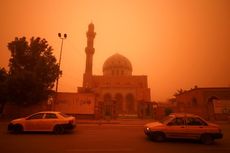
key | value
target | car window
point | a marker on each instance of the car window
(166, 119)
(50, 116)
(177, 121)
(36, 116)
(64, 115)
(195, 121)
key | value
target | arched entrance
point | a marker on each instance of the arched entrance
(107, 105)
(129, 103)
(119, 103)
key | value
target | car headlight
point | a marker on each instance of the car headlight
(148, 129)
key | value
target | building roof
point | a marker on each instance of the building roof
(181, 92)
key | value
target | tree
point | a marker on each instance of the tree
(168, 111)
(33, 70)
(178, 92)
(3, 88)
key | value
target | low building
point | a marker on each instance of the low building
(210, 103)
(163, 109)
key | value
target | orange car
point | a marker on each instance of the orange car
(186, 126)
(56, 122)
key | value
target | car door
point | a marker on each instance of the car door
(195, 127)
(34, 122)
(176, 128)
(50, 121)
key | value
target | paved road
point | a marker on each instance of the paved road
(105, 138)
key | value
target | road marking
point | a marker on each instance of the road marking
(101, 150)
(115, 125)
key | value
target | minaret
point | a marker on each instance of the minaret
(89, 50)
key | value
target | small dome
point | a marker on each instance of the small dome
(117, 65)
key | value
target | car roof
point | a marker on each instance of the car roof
(183, 115)
(48, 112)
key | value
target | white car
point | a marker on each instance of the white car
(52, 121)
(186, 126)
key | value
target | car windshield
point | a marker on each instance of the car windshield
(64, 115)
(166, 119)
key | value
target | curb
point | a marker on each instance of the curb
(116, 122)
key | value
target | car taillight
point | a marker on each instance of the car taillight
(71, 122)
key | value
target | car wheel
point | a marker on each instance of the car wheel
(151, 137)
(58, 129)
(159, 137)
(206, 139)
(17, 128)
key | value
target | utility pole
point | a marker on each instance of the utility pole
(59, 62)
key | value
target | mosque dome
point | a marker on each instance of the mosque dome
(117, 65)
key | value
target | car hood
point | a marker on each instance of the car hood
(17, 120)
(153, 124)
(71, 117)
(214, 125)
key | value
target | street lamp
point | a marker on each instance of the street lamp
(59, 63)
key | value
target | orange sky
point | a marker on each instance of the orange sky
(177, 43)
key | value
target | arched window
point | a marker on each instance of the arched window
(210, 99)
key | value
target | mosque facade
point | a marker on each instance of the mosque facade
(116, 93)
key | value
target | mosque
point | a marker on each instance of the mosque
(116, 93)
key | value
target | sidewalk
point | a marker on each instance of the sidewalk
(116, 121)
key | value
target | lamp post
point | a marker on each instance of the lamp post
(59, 63)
